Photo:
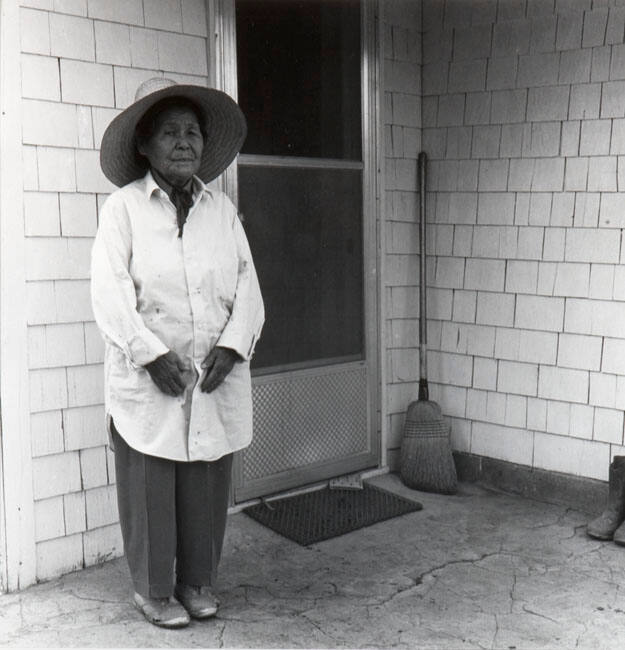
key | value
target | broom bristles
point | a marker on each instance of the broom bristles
(427, 462)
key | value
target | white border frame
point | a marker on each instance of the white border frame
(17, 528)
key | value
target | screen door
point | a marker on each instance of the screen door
(300, 189)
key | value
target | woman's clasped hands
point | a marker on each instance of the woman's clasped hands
(171, 374)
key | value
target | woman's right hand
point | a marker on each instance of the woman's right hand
(166, 372)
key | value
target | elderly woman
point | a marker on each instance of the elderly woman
(176, 298)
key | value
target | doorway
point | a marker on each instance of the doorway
(304, 193)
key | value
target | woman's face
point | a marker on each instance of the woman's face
(175, 147)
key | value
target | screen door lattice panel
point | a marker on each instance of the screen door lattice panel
(307, 419)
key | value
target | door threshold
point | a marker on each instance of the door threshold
(365, 474)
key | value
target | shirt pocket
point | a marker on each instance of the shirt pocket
(130, 387)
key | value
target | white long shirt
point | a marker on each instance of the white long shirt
(153, 292)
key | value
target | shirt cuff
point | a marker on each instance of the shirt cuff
(144, 347)
(242, 343)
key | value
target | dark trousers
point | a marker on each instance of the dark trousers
(172, 516)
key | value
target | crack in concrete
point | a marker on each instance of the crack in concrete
(297, 594)
(446, 565)
(317, 627)
(533, 613)
(558, 521)
(483, 647)
(220, 636)
(440, 634)
(247, 619)
(579, 637)
(567, 511)
(41, 623)
(96, 600)
(581, 527)
(495, 632)
(541, 526)
(247, 588)
(21, 610)
(512, 590)
(419, 580)
(399, 643)
(573, 534)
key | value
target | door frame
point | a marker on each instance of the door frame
(223, 75)
(17, 527)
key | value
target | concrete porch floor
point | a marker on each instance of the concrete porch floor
(479, 569)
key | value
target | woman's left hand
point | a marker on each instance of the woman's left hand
(218, 364)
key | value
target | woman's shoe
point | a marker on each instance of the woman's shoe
(198, 600)
(164, 612)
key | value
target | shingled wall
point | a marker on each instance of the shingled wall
(523, 121)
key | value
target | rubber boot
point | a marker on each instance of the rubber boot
(607, 523)
(619, 535)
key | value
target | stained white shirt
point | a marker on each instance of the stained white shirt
(153, 291)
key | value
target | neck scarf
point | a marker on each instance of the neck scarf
(183, 200)
(181, 197)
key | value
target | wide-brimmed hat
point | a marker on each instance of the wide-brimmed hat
(223, 124)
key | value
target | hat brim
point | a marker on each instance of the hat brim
(223, 123)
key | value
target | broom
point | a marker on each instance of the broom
(426, 461)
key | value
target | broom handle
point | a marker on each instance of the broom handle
(423, 336)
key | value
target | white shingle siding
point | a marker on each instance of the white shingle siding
(541, 229)
(403, 118)
(59, 555)
(81, 63)
(56, 475)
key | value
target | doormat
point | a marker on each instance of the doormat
(311, 517)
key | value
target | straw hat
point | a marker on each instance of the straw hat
(224, 125)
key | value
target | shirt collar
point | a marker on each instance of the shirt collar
(151, 186)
